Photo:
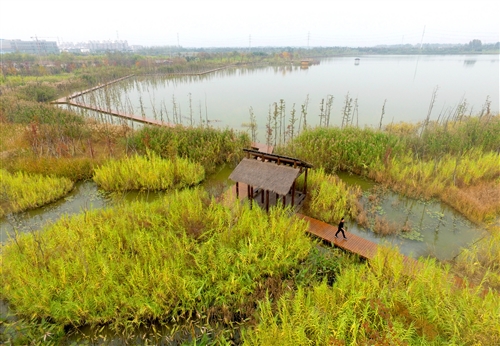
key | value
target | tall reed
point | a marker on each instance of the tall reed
(329, 198)
(383, 304)
(208, 146)
(148, 172)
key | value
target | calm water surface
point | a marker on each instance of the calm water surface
(405, 83)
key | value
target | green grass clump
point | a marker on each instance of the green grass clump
(21, 191)
(350, 149)
(381, 304)
(171, 259)
(147, 173)
(209, 146)
(329, 198)
(481, 261)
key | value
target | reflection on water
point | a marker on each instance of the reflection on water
(469, 63)
(223, 98)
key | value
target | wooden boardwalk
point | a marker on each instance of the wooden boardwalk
(69, 101)
(355, 244)
(122, 115)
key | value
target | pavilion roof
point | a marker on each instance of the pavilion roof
(265, 175)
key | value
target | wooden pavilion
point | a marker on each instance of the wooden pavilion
(270, 178)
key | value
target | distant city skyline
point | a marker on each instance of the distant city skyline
(256, 23)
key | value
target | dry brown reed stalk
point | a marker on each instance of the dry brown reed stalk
(362, 219)
(479, 203)
(9, 140)
(383, 227)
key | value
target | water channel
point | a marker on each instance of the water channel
(437, 230)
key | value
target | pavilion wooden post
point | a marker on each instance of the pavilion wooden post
(249, 196)
(262, 196)
(305, 183)
(267, 200)
(293, 193)
(284, 201)
(237, 190)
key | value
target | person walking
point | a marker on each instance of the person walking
(341, 229)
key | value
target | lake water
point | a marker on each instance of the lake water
(404, 83)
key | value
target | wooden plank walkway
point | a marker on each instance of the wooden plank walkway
(67, 99)
(355, 244)
(122, 115)
(268, 149)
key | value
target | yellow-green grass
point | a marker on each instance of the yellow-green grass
(481, 261)
(209, 146)
(381, 304)
(21, 191)
(181, 256)
(147, 173)
(17, 80)
(328, 197)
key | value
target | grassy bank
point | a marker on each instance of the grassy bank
(21, 191)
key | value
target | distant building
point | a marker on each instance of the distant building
(38, 47)
(95, 46)
(108, 46)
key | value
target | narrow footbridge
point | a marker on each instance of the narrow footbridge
(355, 244)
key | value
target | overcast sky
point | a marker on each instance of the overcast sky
(244, 23)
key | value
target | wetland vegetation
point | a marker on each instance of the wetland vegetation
(188, 269)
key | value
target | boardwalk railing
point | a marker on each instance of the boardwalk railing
(69, 100)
